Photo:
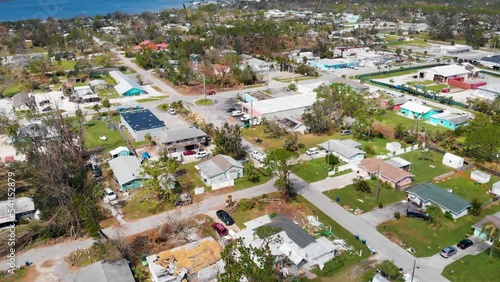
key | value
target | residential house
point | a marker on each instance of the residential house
(106, 271)
(495, 189)
(347, 150)
(220, 171)
(300, 57)
(127, 171)
(120, 152)
(24, 208)
(426, 194)
(417, 111)
(453, 161)
(393, 104)
(180, 139)
(147, 44)
(23, 102)
(195, 261)
(126, 86)
(84, 94)
(399, 163)
(450, 121)
(489, 219)
(141, 122)
(98, 84)
(260, 67)
(295, 243)
(36, 132)
(387, 173)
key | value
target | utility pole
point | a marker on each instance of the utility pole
(413, 272)
(267, 78)
(204, 87)
(328, 159)
(378, 183)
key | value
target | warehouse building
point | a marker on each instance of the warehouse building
(279, 108)
(141, 122)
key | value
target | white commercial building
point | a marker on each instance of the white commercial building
(278, 108)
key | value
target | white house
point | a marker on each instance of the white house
(490, 91)
(296, 244)
(453, 161)
(24, 208)
(480, 176)
(496, 188)
(393, 146)
(347, 150)
(220, 171)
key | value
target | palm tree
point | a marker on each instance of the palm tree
(361, 185)
(149, 138)
(96, 108)
(436, 215)
(106, 104)
(493, 232)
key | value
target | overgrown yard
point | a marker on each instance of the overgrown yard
(143, 203)
(258, 132)
(425, 170)
(393, 119)
(188, 177)
(96, 128)
(352, 199)
(480, 268)
(311, 171)
(466, 188)
(425, 239)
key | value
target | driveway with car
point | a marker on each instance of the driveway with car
(378, 216)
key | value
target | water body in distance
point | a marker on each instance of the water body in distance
(13, 10)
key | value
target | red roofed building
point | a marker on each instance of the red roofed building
(147, 44)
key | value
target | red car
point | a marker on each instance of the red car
(220, 229)
(189, 153)
(210, 93)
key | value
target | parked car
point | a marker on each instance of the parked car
(189, 153)
(44, 102)
(259, 156)
(465, 243)
(245, 117)
(220, 229)
(210, 93)
(448, 251)
(418, 214)
(243, 160)
(96, 171)
(230, 110)
(172, 111)
(312, 151)
(225, 217)
(47, 109)
(201, 154)
(109, 194)
(345, 132)
(237, 113)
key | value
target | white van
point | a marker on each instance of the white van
(312, 151)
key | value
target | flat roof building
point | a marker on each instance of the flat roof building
(180, 139)
(141, 122)
(279, 108)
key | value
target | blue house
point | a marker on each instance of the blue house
(449, 121)
(415, 110)
(333, 64)
(120, 152)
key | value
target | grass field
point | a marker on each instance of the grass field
(428, 241)
(466, 189)
(204, 102)
(422, 168)
(392, 74)
(350, 197)
(188, 176)
(393, 119)
(243, 183)
(311, 171)
(479, 268)
(258, 132)
(13, 90)
(145, 100)
(142, 204)
(96, 128)
(67, 65)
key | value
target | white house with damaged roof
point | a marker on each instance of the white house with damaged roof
(23, 102)
(426, 194)
(290, 240)
(220, 171)
(347, 150)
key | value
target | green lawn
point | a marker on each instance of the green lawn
(311, 171)
(350, 197)
(425, 82)
(109, 93)
(96, 128)
(422, 168)
(480, 268)
(145, 100)
(393, 119)
(187, 176)
(377, 144)
(437, 87)
(204, 102)
(13, 90)
(399, 73)
(258, 132)
(428, 241)
(142, 204)
(67, 65)
(466, 189)
(243, 183)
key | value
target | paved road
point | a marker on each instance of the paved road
(385, 248)
(59, 251)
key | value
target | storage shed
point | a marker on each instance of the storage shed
(480, 176)
(496, 188)
(453, 160)
(393, 146)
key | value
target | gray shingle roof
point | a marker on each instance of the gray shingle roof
(346, 148)
(126, 169)
(292, 230)
(179, 134)
(492, 218)
(106, 271)
(439, 196)
(217, 165)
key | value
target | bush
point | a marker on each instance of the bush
(369, 149)
(273, 214)
(380, 205)
(373, 177)
(397, 215)
(122, 68)
(410, 139)
(246, 204)
(332, 266)
(448, 215)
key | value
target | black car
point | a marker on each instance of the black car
(230, 110)
(464, 244)
(225, 217)
(96, 171)
(418, 214)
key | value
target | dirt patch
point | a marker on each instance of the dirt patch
(394, 238)
(47, 263)
(296, 212)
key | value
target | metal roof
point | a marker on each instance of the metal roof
(218, 165)
(415, 107)
(142, 120)
(282, 104)
(453, 118)
(126, 169)
(23, 204)
(106, 271)
(124, 83)
(179, 134)
(439, 196)
(449, 70)
(342, 147)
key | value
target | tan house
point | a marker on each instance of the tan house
(394, 176)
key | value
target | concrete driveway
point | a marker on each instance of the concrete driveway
(439, 263)
(331, 183)
(378, 216)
